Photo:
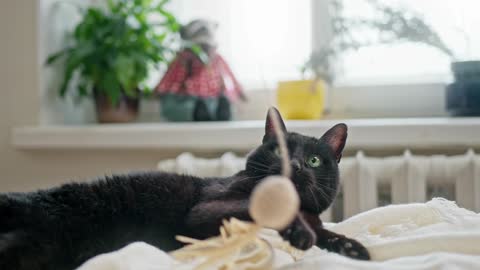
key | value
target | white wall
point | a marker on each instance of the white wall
(20, 103)
(18, 82)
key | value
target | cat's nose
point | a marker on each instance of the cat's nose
(296, 165)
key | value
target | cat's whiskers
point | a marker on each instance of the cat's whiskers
(257, 165)
(260, 171)
(326, 178)
(317, 207)
(252, 177)
(319, 185)
(322, 193)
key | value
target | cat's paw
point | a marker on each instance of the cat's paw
(348, 247)
(300, 236)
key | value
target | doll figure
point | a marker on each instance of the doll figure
(198, 85)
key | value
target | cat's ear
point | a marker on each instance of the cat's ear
(269, 128)
(336, 137)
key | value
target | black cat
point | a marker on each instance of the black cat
(62, 227)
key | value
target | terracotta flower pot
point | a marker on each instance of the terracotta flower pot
(125, 111)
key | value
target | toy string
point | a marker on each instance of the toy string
(286, 170)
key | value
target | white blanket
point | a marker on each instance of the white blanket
(433, 235)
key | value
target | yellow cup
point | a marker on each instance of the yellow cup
(301, 99)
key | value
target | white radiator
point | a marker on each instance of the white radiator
(368, 182)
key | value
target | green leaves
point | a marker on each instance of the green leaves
(113, 49)
(171, 22)
(54, 57)
(124, 69)
(111, 87)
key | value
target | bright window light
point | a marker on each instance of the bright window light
(263, 40)
(456, 21)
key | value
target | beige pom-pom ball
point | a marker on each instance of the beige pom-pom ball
(274, 203)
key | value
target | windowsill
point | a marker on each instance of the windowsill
(400, 133)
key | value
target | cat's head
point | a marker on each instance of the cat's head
(314, 162)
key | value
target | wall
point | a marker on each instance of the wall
(20, 103)
(18, 82)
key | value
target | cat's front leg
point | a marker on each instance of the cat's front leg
(341, 244)
(335, 242)
(299, 234)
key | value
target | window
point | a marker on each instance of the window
(455, 21)
(266, 41)
(269, 40)
(263, 40)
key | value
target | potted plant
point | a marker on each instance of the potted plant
(111, 52)
(389, 25)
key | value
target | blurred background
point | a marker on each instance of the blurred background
(106, 86)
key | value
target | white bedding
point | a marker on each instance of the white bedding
(432, 235)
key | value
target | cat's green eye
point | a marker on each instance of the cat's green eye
(314, 161)
(276, 151)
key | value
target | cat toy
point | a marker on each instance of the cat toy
(274, 204)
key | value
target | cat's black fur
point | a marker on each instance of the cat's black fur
(62, 227)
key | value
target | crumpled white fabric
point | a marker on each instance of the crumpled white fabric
(433, 235)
